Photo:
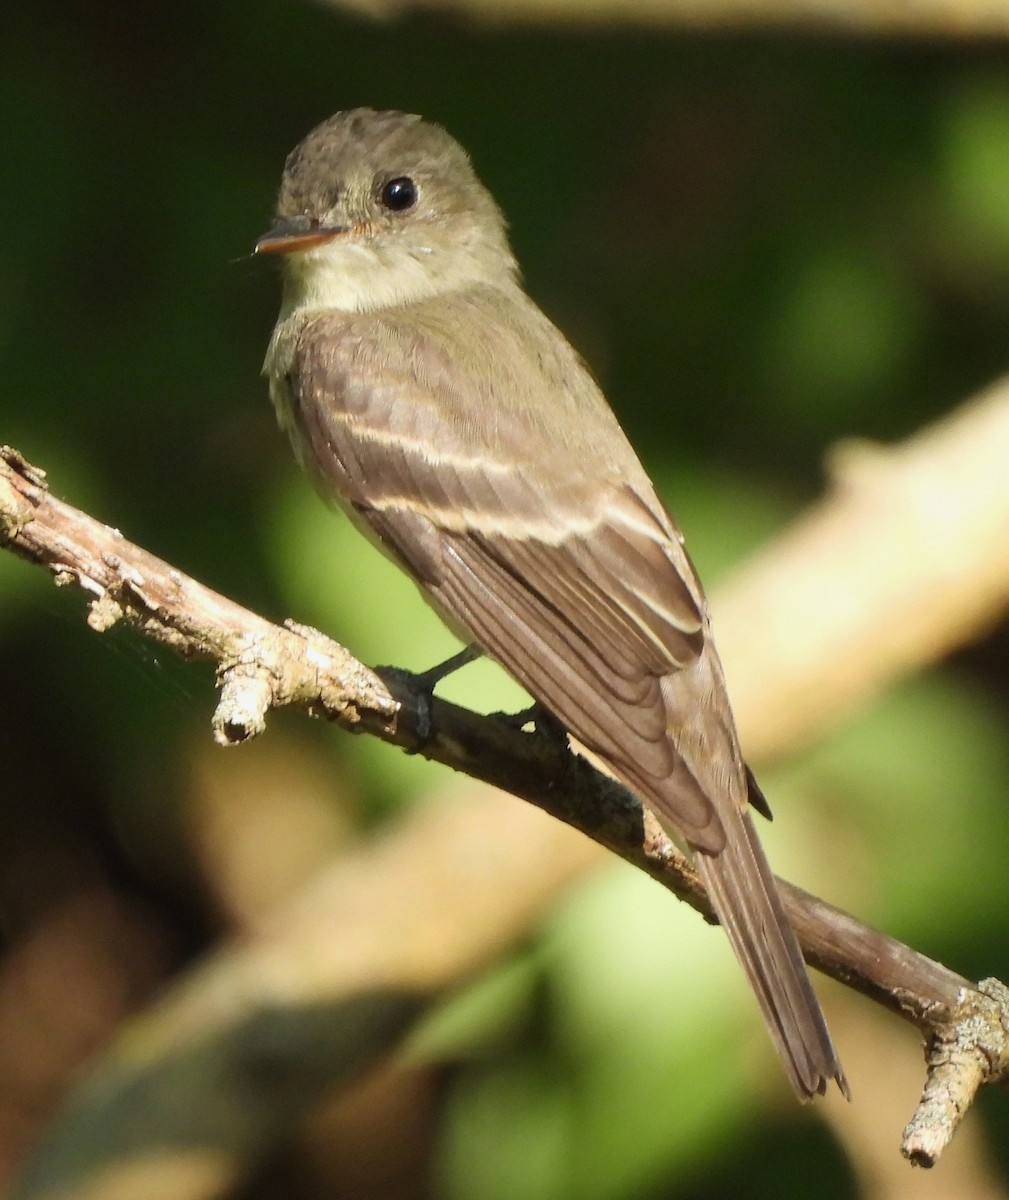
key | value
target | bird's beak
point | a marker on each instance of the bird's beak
(297, 233)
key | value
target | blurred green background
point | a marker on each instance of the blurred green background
(761, 245)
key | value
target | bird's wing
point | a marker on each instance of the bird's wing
(545, 544)
(569, 573)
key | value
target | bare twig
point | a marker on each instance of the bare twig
(968, 1052)
(262, 666)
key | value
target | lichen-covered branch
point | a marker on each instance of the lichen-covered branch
(964, 1054)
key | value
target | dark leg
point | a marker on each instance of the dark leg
(423, 683)
(428, 680)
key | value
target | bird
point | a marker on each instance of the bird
(428, 396)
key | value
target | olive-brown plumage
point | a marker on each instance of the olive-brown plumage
(425, 392)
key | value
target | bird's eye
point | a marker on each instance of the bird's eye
(399, 194)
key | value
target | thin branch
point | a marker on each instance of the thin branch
(263, 666)
(963, 1055)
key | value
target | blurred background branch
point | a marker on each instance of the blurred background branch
(906, 559)
(214, 1078)
(915, 18)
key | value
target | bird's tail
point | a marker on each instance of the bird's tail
(745, 898)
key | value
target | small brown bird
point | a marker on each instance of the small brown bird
(427, 393)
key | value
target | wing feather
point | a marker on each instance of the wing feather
(575, 582)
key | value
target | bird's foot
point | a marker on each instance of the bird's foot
(421, 686)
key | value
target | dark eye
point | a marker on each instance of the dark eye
(399, 194)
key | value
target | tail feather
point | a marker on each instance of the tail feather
(745, 898)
